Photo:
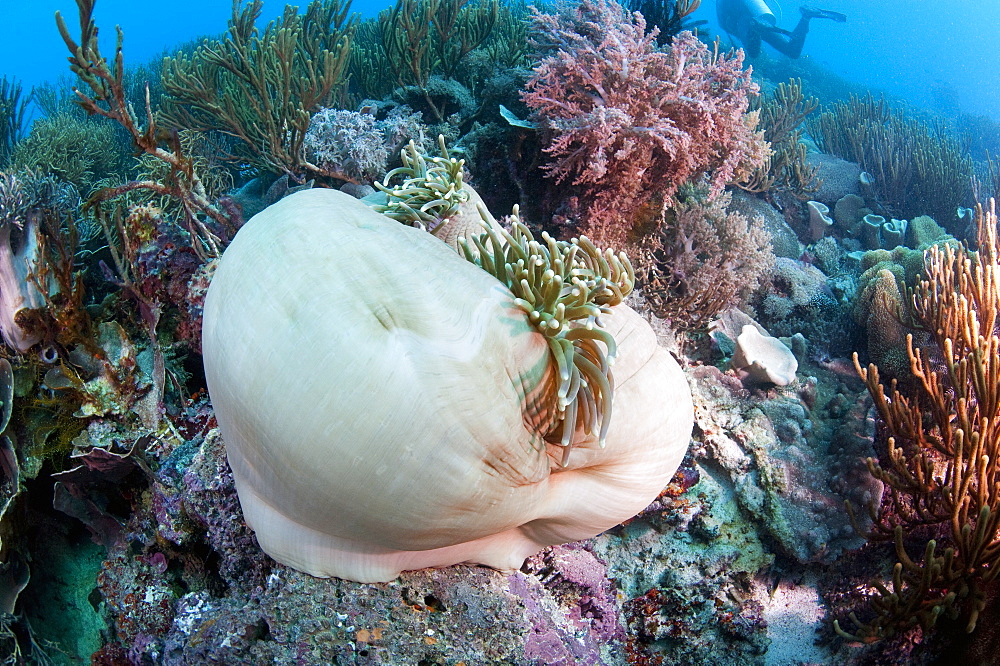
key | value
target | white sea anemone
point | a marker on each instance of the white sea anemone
(386, 404)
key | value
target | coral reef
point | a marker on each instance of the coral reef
(216, 175)
(776, 459)
(883, 307)
(107, 100)
(383, 401)
(12, 110)
(763, 358)
(918, 168)
(561, 606)
(782, 114)
(799, 298)
(426, 40)
(79, 151)
(838, 177)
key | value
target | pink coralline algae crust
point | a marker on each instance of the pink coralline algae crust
(590, 614)
(138, 598)
(460, 614)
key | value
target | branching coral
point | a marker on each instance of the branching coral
(420, 38)
(701, 260)
(107, 98)
(781, 116)
(627, 122)
(82, 151)
(262, 89)
(12, 109)
(508, 42)
(942, 467)
(987, 181)
(215, 175)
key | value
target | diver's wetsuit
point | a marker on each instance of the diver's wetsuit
(751, 21)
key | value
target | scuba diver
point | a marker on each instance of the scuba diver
(752, 22)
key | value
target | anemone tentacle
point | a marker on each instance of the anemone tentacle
(431, 192)
(563, 287)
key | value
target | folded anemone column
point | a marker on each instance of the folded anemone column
(389, 405)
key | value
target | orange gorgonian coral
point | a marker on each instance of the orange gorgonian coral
(940, 470)
(627, 122)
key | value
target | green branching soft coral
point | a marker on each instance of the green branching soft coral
(424, 38)
(919, 168)
(12, 112)
(564, 288)
(431, 191)
(262, 87)
(81, 151)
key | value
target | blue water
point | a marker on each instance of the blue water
(32, 50)
(907, 49)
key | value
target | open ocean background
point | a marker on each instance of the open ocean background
(936, 54)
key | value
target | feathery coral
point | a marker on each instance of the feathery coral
(627, 121)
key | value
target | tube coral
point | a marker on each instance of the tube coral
(387, 405)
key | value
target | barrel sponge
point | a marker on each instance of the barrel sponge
(380, 400)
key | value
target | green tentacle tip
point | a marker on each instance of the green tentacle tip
(431, 190)
(563, 288)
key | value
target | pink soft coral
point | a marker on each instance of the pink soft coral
(628, 122)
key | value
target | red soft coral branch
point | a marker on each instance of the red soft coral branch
(627, 122)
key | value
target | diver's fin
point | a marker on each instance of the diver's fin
(812, 12)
